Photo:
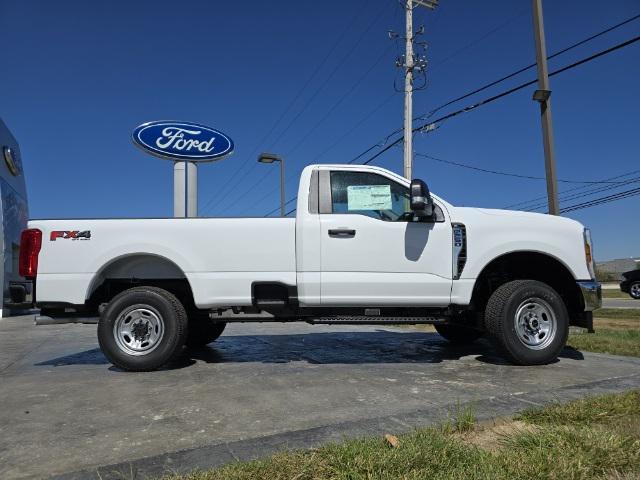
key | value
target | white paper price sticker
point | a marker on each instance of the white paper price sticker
(369, 197)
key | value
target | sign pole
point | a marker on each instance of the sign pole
(185, 189)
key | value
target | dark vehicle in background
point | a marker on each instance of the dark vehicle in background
(631, 283)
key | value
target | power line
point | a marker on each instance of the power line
(586, 193)
(480, 39)
(528, 67)
(482, 88)
(433, 124)
(339, 102)
(324, 84)
(292, 102)
(602, 200)
(507, 174)
(536, 201)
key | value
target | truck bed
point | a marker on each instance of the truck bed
(220, 257)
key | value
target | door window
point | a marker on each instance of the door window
(369, 194)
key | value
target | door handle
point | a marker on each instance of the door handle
(342, 232)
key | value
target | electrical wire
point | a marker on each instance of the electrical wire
(428, 126)
(535, 201)
(507, 174)
(319, 90)
(486, 86)
(602, 200)
(528, 67)
(290, 105)
(587, 193)
(431, 125)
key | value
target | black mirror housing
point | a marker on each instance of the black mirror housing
(421, 201)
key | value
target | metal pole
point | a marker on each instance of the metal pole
(408, 91)
(192, 189)
(282, 214)
(179, 189)
(185, 189)
(545, 109)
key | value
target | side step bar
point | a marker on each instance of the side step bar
(374, 320)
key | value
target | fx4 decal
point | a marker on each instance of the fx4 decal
(72, 234)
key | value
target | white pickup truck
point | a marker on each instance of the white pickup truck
(366, 247)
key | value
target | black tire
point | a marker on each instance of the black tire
(634, 290)
(202, 330)
(458, 334)
(164, 307)
(500, 321)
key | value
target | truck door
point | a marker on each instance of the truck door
(372, 249)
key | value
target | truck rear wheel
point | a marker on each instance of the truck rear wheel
(528, 320)
(202, 330)
(142, 329)
(458, 334)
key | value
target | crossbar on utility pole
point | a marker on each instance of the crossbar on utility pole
(543, 97)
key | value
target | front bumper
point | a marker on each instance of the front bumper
(591, 294)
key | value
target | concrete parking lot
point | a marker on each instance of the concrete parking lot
(65, 411)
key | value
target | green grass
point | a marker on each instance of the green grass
(604, 340)
(617, 293)
(619, 313)
(595, 438)
(617, 333)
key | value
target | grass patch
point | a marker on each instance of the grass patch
(618, 313)
(579, 440)
(614, 293)
(617, 333)
(605, 340)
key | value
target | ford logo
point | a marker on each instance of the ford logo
(182, 141)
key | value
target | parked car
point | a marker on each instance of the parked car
(631, 283)
(366, 247)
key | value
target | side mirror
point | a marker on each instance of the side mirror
(421, 202)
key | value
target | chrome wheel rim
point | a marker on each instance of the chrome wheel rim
(138, 330)
(635, 290)
(535, 323)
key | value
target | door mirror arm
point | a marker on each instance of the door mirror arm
(421, 203)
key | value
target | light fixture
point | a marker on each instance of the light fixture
(541, 95)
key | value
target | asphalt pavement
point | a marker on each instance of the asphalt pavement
(65, 411)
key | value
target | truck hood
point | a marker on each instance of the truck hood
(535, 220)
(492, 233)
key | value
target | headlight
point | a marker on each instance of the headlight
(588, 252)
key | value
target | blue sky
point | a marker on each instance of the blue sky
(78, 77)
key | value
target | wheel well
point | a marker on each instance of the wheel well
(528, 266)
(139, 270)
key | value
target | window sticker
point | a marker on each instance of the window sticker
(369, 197)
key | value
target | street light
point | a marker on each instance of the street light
(271, 158)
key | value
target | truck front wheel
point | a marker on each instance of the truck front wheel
(142, 329)
(528, 320)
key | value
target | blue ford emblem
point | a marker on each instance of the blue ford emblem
(182, 141)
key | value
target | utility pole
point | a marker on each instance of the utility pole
(408, 95)
(542, 95)
(409, 65)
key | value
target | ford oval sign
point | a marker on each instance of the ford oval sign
(184, 141)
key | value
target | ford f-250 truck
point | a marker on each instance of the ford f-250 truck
(366, 247)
